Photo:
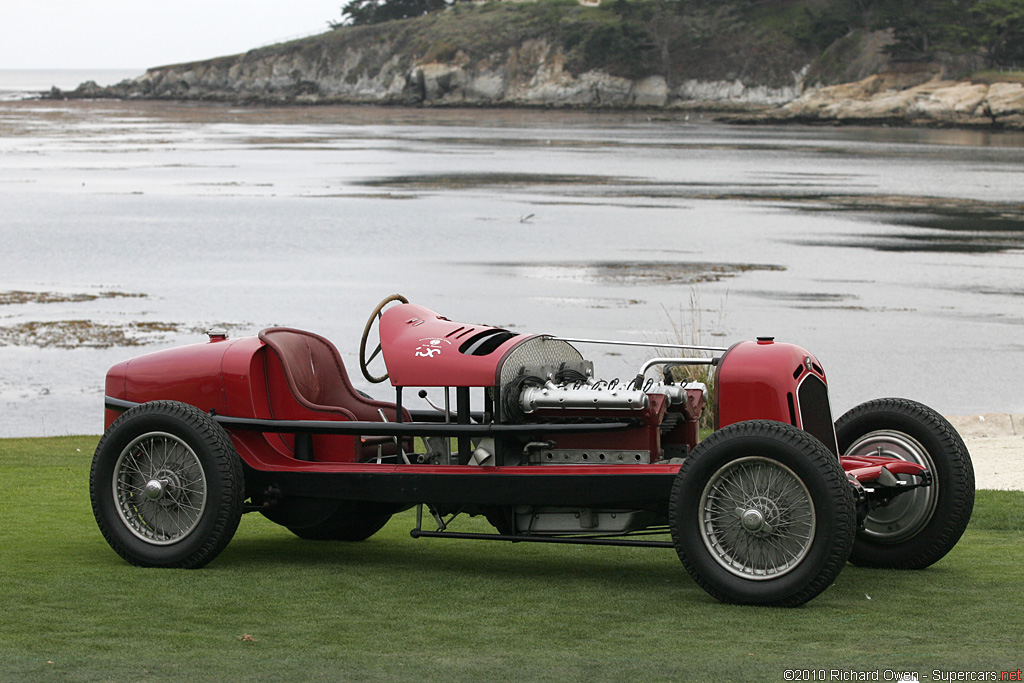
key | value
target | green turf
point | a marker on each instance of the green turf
(273, 607)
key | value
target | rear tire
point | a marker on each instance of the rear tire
(352, 521)
(324, 519)
(917, 528)
(167, 486)
(502, 518)
(761, 513)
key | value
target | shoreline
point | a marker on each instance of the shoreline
(964, 105)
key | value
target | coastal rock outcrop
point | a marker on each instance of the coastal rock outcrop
(883, 98)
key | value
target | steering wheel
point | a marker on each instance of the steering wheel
(364, 362)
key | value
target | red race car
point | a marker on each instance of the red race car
(765, 510)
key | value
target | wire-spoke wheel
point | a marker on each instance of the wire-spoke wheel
(160, 488)
(167, 486)
(761, 513)
(758, 518)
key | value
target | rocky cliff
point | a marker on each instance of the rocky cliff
(552, 53)
(533, 73)
(545, 55)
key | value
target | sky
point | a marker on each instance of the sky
(136, 34)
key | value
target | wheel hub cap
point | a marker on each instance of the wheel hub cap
(753, 521)
(155, 489)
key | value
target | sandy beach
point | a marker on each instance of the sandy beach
(996, 445)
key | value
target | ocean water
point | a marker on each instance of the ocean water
(19, 84)
(895, 256)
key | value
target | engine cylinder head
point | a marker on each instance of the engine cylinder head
(551, 395)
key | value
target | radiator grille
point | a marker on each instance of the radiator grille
(537, 352)
(815, 411)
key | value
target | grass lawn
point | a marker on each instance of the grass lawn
(274, 607)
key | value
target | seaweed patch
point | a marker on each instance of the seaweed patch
(73, 334)
(25, 297)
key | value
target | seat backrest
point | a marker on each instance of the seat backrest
(316, 375)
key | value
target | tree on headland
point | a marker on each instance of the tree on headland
(644, 32)
(360, 12)
(999, 30)
(992, 29)
(923, 29)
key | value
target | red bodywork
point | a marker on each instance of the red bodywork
(774, 381)
(238, 378)
(424, 349)
(244, 378)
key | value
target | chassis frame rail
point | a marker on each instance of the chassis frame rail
(577, 540)
(400, 429)
(626, 538)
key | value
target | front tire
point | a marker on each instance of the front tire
(915, 529)
(761, 513)
(167, 486)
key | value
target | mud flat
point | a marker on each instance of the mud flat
(44, 332)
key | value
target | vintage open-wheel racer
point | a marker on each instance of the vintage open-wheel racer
(766, 510)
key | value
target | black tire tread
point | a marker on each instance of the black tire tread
(835, 479)
(957, 492)
(229, 469)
